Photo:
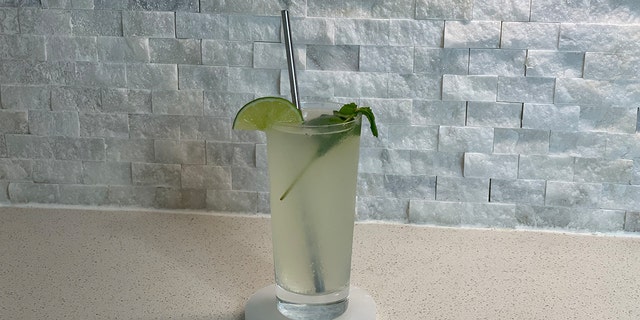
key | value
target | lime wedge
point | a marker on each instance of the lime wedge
(262, 113)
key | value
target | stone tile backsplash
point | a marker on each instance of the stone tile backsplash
(492, 113)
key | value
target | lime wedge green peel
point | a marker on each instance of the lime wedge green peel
(262, 113)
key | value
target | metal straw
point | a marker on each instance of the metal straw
(293, 81)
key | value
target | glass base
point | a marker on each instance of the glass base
(296, 311)
(263, 305)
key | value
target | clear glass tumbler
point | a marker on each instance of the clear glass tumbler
(313, 172)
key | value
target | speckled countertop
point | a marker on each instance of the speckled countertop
(89, 264)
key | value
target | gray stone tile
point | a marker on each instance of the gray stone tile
(168, 198)
(69, 148)
(464, 88)
(550, 117)
(224, 104)
(180, 102)
(492, 114)
(494, 215)
(462, 189)
(421, 86)
(231, 154)
(227, 53)
(249, 179)
(186, 51)
(385, 209)
(29, 147)
(9, 20)
(148, 24)
(632, 221)
(530, 192)
(206, 177)
(437, 163)
(106, 173)
(96, 22)
(78, 48)
(14, 122)
(75, 99)
(394, 59)
(362, 31)
(316, 31)
(435, 212)
(216, 6)
(193, 77)
(100, 74)
(407, 32)
(465, 139)
(179, 151)
(145, 126)
(472, 34)
(362, 9)
(604, 37)
(370, 185)
(25, 97)
(483, 165)
(29, 192)
(83, 195)
(170, 5)
(272, 56)
(578, 144)
(362, 84)
(3, 148)
(252, 28)
(412, 137)
(543, 63)
(526, 89)
(444, 10)
(614, 12)
(521, 141)
(104, 125)
(4, 191)
(131, 196)
(56, 172)
(516, 10)
(598, 170)
(434, 112)
(129, 150)
(15, 169)
(123, 49)
(529, 35)
(409, 186)
(623, 146)
(332, 57)
(152, 76)
(201, 26)
(559, 168)
(120, 100)
(439, 61)
(156, 174)
(501, 62)
(572, 194)
(232, 201)
(22, 47)
(40, 21)
(611, 66)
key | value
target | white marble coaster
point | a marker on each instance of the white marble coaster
(262, 306)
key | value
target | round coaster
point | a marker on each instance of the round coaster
(262, 306)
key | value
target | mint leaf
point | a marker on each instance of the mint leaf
(367, 112)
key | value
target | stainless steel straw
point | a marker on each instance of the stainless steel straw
(293, 81)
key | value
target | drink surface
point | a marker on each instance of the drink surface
(312, 225)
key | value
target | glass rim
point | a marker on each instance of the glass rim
(318, 111)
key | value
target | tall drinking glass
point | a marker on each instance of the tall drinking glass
(313, 172)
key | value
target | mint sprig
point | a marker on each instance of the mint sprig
(347, 113)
